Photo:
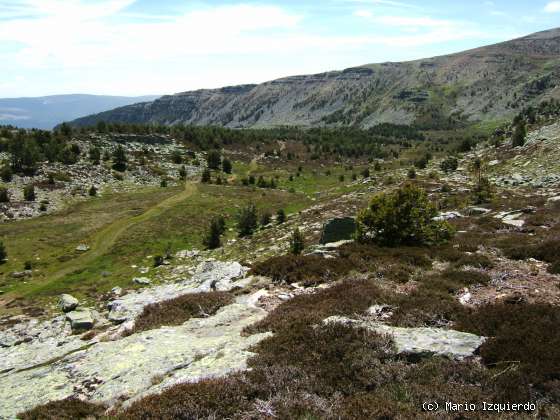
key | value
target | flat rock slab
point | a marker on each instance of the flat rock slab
(81, 319)
(422, 341)
(126, 369)
(220, 274)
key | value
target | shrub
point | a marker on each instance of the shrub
(215, 230)
(226, 166)
(280, 216)
(4, 196)
(3, 253)
(297, 242)
(404, 217)
(29, 192)
(411, 173)
(483, 191)
(6, 173)
(67, 409)
(526, 335)
(158, 260)
(93, 191)
(179, 310)
(449, 165)
(214, 159)
(546, 251)
(163, 183)
(119, 159)
(309, 269)
(28, 265)
(219, 398)
(206, 176)
(266, 218)
(182, 173)
(519, 134)
(365, 173)
(247, 220)
(176, 157)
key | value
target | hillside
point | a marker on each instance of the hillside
(47, 111)
(484, 84)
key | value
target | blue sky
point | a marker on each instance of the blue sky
(136, 47)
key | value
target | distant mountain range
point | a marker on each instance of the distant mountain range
(48, 111)
(487, 83)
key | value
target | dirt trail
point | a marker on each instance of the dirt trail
(103, 240)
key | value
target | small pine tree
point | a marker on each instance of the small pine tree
(226, 166)
(92, 191)
(214, 159)
(215, 230)
(206, 176)
(341, 178)
(119, 159)
(297, 243)
(377, 167)
(95, 155)
(280, 216)
(266, 218)
(411, 173)
(29, 192)
(365, 173)
(50, 179)
(519, 134)
(6, 173)
(163, 183)
(4, 196)
(3, 253)
(183, 172)
(247, 220)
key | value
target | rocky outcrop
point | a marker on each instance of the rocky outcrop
(222, 274)
(67, 303)
(139, 364)
(45, 361)
(422, 341)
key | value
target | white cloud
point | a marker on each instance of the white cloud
(552, 7)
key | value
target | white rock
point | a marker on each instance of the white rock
(141, 280)
(68, 303)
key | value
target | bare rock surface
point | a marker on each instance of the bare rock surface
(45, 361)
(422, 341)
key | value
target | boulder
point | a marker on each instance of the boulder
(422, 341)
(81, 319)
(21, 274)
(141, 280)
(477, 211)
(67, 303)
(447, 216)
(82, 248)
(338, 229)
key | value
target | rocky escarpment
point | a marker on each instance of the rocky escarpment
(482, 84)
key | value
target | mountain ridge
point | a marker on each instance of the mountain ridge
(485, 83)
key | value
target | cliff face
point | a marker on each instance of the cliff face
(483, 84)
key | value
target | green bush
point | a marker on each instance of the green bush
(280, 216)
(29, 192)
(404, 217)
(3, 253)
(215, 230)
(247, 220)
(449, 165)
(4, 196)
(297, 242)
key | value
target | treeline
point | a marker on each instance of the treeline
(347, 142)
(28, 147)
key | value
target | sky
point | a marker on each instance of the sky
(140, 47)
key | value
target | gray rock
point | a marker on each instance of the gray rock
(116, 291)
(82, 248)
(81, 319)
(448, 216)
(67, 303)
(21, 274)
(477, 211)
(141, 280)
(220, 274)
(422, 341)
(338, 229)
(198, 349)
